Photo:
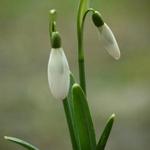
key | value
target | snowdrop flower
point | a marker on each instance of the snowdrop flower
(58, 69)
(107, 36)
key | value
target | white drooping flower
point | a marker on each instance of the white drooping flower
(109, 41)
(58, 72)
(106, 35)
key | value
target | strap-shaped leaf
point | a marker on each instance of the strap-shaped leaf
(68, 107)
(21, 142)
(105, 135)
(83, 120)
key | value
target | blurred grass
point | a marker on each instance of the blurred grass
(27, 109)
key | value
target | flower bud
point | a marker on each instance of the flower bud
(107, 36)
(109, 41)
(58, 70)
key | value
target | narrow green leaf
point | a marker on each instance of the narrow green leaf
(68, 107)
(105, 135)
(21, 142)
(83, 120)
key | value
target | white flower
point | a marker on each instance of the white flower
(58, 73)
(109, 41)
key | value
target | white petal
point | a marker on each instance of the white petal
(58, 74)
(109, 41)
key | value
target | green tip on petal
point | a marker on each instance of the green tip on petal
(56, 40)
(97, 19)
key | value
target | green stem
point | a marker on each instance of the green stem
(81, 51)
(69, 117)
(82, 74)
(82, 12)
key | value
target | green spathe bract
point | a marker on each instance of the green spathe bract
(52, 22)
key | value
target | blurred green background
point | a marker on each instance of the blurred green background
(27, 109)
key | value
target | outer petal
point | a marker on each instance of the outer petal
(58, 74)
(109, 41)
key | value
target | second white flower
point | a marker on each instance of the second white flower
(58, 73)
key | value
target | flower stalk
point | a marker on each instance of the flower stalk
(52, 22)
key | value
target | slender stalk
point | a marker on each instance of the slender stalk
(82, 12)
(69, 110)
(82, 74)
(81, 54)
(69, 117)
(52, 22)
(81, 50)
